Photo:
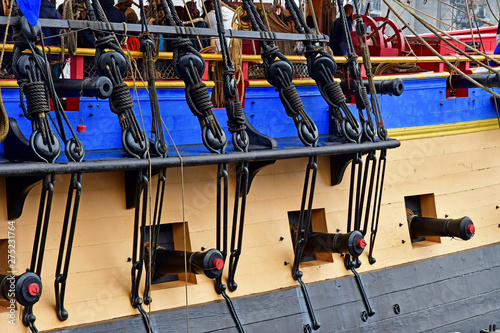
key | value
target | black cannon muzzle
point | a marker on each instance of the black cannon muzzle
(100, 87)
(25, 288)
(209, 263)
(393, 87)
(489, 80)
(424, 226)
(351, 243)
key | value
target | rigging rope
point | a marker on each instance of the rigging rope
(477, 84)
(4, 118)
(432, 17)
(491, 11)
(462, 11)
(470, 23)
(477, 28)
(436, 31)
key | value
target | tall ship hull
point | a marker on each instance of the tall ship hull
(441, 173)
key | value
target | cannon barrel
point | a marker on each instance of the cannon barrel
(424, 226)
(393, 87)
(210, 263)
(100, 87)
(488, 80)
(319, 242)
(26, 288)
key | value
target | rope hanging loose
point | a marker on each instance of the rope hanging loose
(279, 73)
(189, 66)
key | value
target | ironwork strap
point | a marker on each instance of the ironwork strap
(140, 219)
(304, 225)
(75, 189)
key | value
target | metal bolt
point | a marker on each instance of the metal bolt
(91, 114)
(497, 207)
(403, 241)
(285, 263)
(364, 316)
(401, 224)
(338, 230)
(281, 239)
(21, 114)
(397, 309)
(203, 248)
(129, 259)
(446, 215)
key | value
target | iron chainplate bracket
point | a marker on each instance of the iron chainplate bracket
(72, 205)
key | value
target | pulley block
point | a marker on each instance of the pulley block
(29, 31)
(279, 70)
(136, 148)
(74, 151)
(47, 152)
(210, 141)
(307, 136)
(188, 62)
(322, 65)
(147, 43)
(240, 140)
(107, 59)
(26, 62)
(230, 89)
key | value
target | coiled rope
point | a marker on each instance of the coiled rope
(4, 119)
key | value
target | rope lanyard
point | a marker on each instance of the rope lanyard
(322, 68)
(36, 85)
(112, 62)
(279, 73)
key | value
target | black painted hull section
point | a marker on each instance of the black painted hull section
(456, 293)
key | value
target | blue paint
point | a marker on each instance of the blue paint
(423, 103)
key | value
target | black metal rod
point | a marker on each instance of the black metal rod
(361, 287)
(423, 226)
(161, 29)
(310, 308)
(210, 263)
(393, 87)
(232, 310)
(488, 80)
(349, 243)
(75, 188)
(39, 168)
(100, 87)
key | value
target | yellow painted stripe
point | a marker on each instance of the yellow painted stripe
(264, 83)
(257, 58)
(166, 84)
(431, 131)
(410, 77)
(8, 84)
(310, 82)
(130, 84)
